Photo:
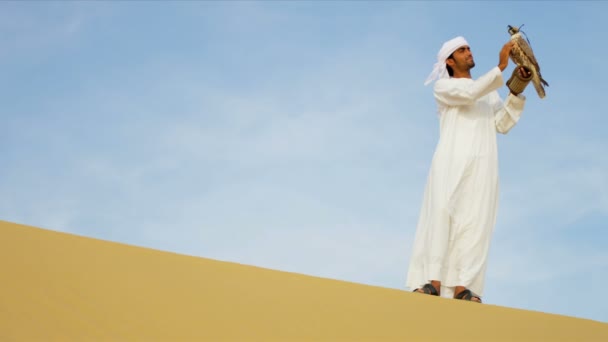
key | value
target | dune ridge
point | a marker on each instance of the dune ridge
(64, 287)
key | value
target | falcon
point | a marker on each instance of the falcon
(522, 55)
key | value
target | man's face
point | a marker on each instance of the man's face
(463, 59)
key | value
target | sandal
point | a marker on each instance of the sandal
(428, 289)
(468, 295)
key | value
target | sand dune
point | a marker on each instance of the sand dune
(62, 287)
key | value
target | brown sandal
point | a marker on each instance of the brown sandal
(468, 295)
(428, 289)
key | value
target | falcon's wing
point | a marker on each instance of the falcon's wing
(527, 51)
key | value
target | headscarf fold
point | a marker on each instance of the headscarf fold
(439, 69)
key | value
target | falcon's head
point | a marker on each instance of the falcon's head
(513, 30)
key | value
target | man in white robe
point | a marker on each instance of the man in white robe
(460, 201)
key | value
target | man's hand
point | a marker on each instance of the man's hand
(524, 72)
(503, 58)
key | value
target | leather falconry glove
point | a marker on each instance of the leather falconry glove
(516, 83)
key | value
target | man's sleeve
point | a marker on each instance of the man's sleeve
(450, 93)
(506, 115)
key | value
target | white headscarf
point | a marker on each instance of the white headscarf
(440, 70)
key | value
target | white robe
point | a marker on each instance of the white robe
(461, 197)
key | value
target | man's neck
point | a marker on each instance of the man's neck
(463, 74)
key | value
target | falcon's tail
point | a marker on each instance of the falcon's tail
(540, 90)
(539, 83)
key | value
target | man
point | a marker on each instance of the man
(461, 196)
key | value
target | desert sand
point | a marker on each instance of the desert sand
(63, 287)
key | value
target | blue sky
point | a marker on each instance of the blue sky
(298, 135)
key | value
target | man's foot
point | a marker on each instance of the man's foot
(428, 289)
(466, 294)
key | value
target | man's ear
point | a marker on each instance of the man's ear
(450, 62)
